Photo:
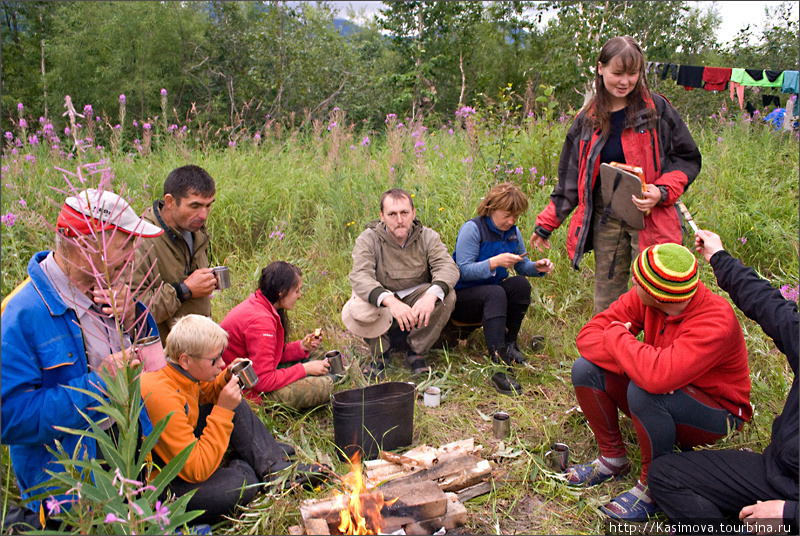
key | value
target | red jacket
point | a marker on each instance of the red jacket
(703, 347)
(256, 333)
(665, 150)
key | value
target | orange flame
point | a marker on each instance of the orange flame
(360, 511)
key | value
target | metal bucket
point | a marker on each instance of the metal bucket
(373, 418)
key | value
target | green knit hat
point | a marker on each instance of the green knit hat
(668, 272)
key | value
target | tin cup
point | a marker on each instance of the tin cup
(501, 424)
(223, 275)
(334, 357)
(243, 370)
(432, 396)
(558, 457)
(150, 353)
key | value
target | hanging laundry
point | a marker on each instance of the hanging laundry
(772, 76)
(738, 88)
(737, 75)
(770, 100)
(763, 81)
(666, 68)
(791, 82)
(755, 74)
(690, 76)
(716, 78)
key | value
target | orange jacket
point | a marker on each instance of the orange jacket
(170, 391)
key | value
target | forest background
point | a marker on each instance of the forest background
(304, 119)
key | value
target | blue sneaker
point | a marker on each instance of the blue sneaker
(627, 507)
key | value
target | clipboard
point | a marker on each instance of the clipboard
(618, 185)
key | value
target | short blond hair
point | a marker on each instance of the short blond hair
(194, 335)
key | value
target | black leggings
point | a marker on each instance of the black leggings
(499, 308)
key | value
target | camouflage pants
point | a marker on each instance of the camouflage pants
(307, 392)
(612, 275)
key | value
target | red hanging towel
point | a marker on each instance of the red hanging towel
(716, 78)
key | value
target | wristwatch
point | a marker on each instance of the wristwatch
(184, 292)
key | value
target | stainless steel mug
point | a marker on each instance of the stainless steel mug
(558, 457)
(243, 370)
(223, 275)
(150, 353)
(501, 424)
(334, 357)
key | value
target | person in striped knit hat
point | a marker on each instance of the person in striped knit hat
(686, 383)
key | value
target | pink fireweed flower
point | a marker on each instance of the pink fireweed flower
(66, 131)
(518, 170)
(790, 293)
(146, 126)
(542, 180)
(111, 518)
(135, 123)
(33, 140)
(87, 110)
(163, 92)
(53, 504)
(122, 99)
(9, 135)
(161, 514)
(20, 107)
(173, 128)
(742, 239)
(257, 136)
(23, 203)
(30, 158)
(8, 219)
(23, 123)
(365, 141)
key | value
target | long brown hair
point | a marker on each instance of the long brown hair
(632, 57)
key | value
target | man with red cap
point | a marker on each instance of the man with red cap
(72, 317)
(686, 383)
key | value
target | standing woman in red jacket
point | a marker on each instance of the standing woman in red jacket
(256, 331)
(626, 123)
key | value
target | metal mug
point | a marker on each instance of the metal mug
(243, 370)
(558, 457)
(223, 275)
(432, 396)
(501, 424)
(150, 353)
(334, 357)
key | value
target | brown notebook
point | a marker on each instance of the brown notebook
(618, 185)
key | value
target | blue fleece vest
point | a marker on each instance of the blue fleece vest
(492, 243)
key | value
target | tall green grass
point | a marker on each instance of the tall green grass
(305, 197)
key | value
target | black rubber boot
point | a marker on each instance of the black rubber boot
(503, 382)
(514, 355)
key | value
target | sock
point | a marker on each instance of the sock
(642, 492)
(610, 466)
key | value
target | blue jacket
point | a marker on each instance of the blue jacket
(43, 354)
(478, 241)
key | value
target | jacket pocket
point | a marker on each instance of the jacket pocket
(409, 276)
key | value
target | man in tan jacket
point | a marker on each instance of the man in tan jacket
(402, 279)
(180, 254)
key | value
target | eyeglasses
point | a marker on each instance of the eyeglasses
(214, 360)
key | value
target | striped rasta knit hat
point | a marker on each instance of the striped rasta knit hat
(668, 272)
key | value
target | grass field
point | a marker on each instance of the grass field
(304, 197)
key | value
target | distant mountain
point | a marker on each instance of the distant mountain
(346, 27)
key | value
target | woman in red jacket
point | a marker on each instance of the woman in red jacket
(256, 329)
(626, 123)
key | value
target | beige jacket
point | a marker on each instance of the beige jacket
(169, 254)
(380, 265)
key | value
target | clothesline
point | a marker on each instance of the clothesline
(721, 78)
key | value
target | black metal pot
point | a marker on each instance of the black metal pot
(373, 418)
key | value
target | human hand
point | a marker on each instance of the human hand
(118, 360)
(650, 198)
(201, 282)
(707, 243)
(118, 302)
(423, 308)
(626, 324)
(538, 242)
(310, 342)
(506, 260)
(544, 266)
(229, 368)
(764, 517)
(405, 316)
(317, 367)
(231, 394)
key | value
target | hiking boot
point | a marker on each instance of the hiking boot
(416, 363)
(514, 355)
(506, 384)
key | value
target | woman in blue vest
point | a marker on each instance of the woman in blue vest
(486, 247)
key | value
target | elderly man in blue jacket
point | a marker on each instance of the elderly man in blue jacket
(73, 316)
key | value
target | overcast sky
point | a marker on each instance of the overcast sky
(735, 14)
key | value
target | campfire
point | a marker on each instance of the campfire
(410, 494)
(359, 511)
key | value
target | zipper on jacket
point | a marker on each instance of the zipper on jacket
(663, 328)
(656, 162)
